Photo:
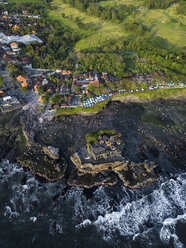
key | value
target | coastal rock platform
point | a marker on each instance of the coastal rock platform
(42, 164)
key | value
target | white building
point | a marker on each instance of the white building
(26, 39)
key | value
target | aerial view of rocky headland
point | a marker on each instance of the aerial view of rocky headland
(92, 124)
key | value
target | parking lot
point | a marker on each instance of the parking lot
(94, 100)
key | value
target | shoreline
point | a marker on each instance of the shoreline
(31, 138)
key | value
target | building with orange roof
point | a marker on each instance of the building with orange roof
(36, 87)
(49, 90)
(16, 27)
(22, 79)
(1, 91)
(24, 85)
(95, 82)
(40, 99)
(13, 44)
(91, 78)
(5, 17)
(64, 72)
(33, 32)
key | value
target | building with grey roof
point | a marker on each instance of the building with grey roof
(26, 39)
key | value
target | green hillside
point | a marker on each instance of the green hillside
(121, 37)
(121, 31)
(166, 23)
(94, 32)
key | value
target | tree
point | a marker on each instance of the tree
(76, 88)
(56, 99)
(1, 82)
(41, 89)
(111, 85)
(45, 97)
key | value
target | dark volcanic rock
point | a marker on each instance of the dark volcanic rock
(156, 127)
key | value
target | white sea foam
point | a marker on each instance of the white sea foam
(84, 223)
(8, 170)
(10, 213)
(33, 219)
(168, 231)
(141, 214)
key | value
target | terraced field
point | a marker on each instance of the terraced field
(166, 24)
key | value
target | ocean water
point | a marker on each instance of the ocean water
(35, 214)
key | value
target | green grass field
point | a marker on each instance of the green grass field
(164, 23)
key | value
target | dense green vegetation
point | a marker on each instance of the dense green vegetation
(182, 8)
(14, 70)
(159, 4)
(33, 6)
(106, 13)
(93, 136)
(23, 1)
(56, 99)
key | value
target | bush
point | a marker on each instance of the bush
(24, 89)
(45, 97)
(1, 82)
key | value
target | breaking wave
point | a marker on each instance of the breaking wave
(168, 231)
(146, 213)
(115, 213)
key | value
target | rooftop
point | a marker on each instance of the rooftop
(26, 39)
